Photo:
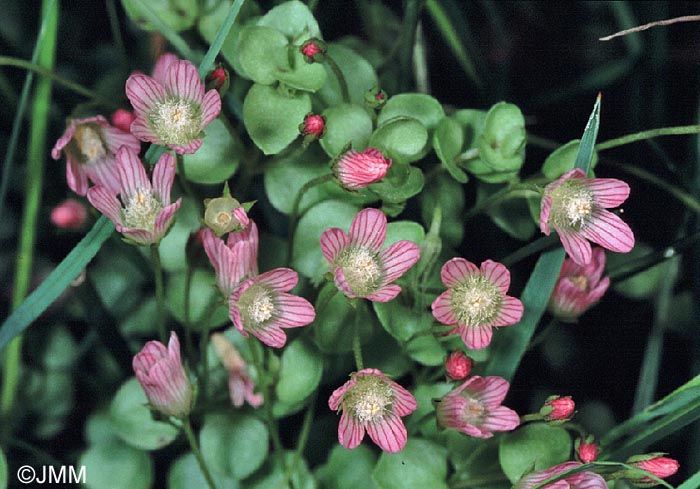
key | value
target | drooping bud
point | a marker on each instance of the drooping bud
(225, 214)
(314, 50)
(558, 408)
(355, 170)
(586, 450)
(218, 79)
(458, 365)
(70, 215)
(654, 463)
(375, 98)
(122, 119)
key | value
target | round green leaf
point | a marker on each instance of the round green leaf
(447, 142)
(272, 119)
(185, 473)
(512, 216)
(535, 446)
(472, 122)
(172, 247)
(61, 349)
(563, 159)
(203, 294)
(404, 230)
(116, 466)
(400, 184)
(3, 470)
(644, 284)
(401, 138)
(133, 422)
(358, 73)
(502, 142)
(448, 194)
(52, 400)
(487, 174)
(419, 106)
(307, 258)
(375, 351)
(335, 319)
(401, 321)
(99, 429)
(300, 372)
(299, 74)
(275, 473)
(233, 446)
(345, 124)
(419, 465)
(424, 395)
(294, 20)
(261, 51)
(178, 15)
(427, 350)
(348, 469)
(218, 157)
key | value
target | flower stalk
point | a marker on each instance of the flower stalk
(192, 440)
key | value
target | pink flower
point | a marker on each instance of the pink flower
(261, 306)
(172, 110)
(359, 266)
(90, 145)
(575, 206)
(233, 260)
(70, 214)
(145, 213)
(160, 70)
(355, 170)
(579, 287)
(474, 408)
(370, 401)
(122, 119)
(587, 451)
(583, 480)
(558, 408)
(240, 385)
(476, 300)
(163, 378)
(654, 463)
(458, 365)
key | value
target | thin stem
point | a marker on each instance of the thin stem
(204, 350)
(301, 442)
(117, 35)
(651, 133)
(294, 215)
(339, 75)
(188, 320)
(255, 349)
(510, 192)
(530, 249)
(184, 183)
(356, 346)
(189, 433)
(160, 298)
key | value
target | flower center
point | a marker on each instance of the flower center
(141, 210)
(361, 269)
(579, 281)
(476, 301)
(176, 121)
(572, 204)
(370, 399)
(89, 143)
(223, 219)
(473, 412)
(256, 305)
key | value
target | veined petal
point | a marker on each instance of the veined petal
(279, 279)
(497, 274)
(182, 81)
(608, 192)
(165, 219)
(163, 177)
(511, 312)
(389, 433)
(103, 172)
(398, 258)
(211, 107)
(490, 390)
(576, 246)
(142, 130)
(186, 149)
(545, 209)
(271, 334)
(132, 174)
(76, 176)
(350, 431)
(342, 283)
(294, 311)
(333, 241)
(143, 92)
(368, 229)
(140, 236)
(457, 270)
(161, 68)
(234, 313)
(591, 480)
(442, 308)
(609, 231)
(337, 396)
(501, 418)
(384, 294)
(475, 336)
(404, 402)
(105, 202)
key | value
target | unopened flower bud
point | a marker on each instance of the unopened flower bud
(654, 463)
(458, 365)
(225, 214)
(375, 98)
(70, 215)
(314, 50)
(586, 450)
(218, 79)
(312, 128)
(355, 170)
(122, 119)
(558, 408)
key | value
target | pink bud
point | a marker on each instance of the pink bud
(355, 170)
(654, 463)
(310, 50)
(163, 378)
(313, 50)
(587, 452)
(558, 408)
(122, 119)
(70, 215)
(458, 365)
(218, 79)
(314, 124)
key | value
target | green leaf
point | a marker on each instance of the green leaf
(472, 122)
(535, 446)
(218, 157)
(693, 482)
(116, 466)
(99, 429)
(424, 108)
(502, 142)
(273, 119)
(427, 350)
(420, 418)
(56, 282)
(358, 73)
(233, 446)
(300, 372)
(448, 140)
(172, 248)
(178, 17)
(276, 474)
(585, 153)
(294, 20)
(3, 470)
(402, 138)
(401, 321)
(562, 159)
(512, 215)
(400, 184)
(335, 319)
(348, 469)
(133, 422)
(261, 52)
(185, 473)
(447, 193)
(644, 284)
(346, 124)
(203, 296)
(419, 465)
(299, 74)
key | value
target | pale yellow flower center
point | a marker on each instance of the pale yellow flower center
(476, 301)
(176, 121)
(256, 305)
(370, 399)
(579, 281)
(572, 204)
(474, 411)
(141, 210)
(223, 219)
(362, 269)
(89, 143)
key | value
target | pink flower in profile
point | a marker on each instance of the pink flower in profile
(261, 306)
(474, 408)
(171, 108)
(558, 408)
(145, 213)
(359, 266)
(240, 385)
(90, 145)
(654, 463)
(163, 378)
(575, 206)
(355, 170)
(233, 260)
(579, 287)
(70, 215)
(372, 402)
(476, 301)
(582, 480)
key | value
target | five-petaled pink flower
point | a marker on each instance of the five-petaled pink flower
(163, 378)
(582, 480)
(145, 213)
(476, 301)
(355, 170)
(579, 287)
(575, 206)
(233, 260)
(172, 110)
(261, 306)
(359, 266)
(90, 145)
(474, 408)
(370, 401)
(240, 385)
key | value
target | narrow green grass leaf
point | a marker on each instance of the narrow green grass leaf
(585, 150)
(56, 282)
(693, 482)
(208, 61)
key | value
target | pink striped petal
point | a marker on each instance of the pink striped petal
(333, 242)
(457, 270)
(476, 337)
(350, 431)
(116, 138)
(174, 348)
(186, 149)
(592, 481)
(132, 174)
(608, 192)
(442, 308)
(65, 138)
(497, 274)
(609, 231)
(140, 236)
(279, 279)
(211, 106)
(144, 93)
(271, 334)
(511, 312)
(398, 258)
(182, 80)
(368, 229)
(76, 176)
(490, 390)
(294, 311)
(342, 283)
(337, 395)
(142, 130)
(389, 433)
(404, 402)
(500, 418)
(234, 313)
(165, 219)
(545, 210)
(384, 294)
(105, 202)
(575, 245)
(104, 172)
(163, 177)
(161, 68)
